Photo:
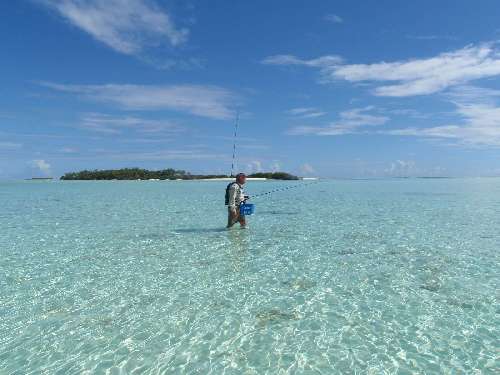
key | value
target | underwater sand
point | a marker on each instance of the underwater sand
(382, 276)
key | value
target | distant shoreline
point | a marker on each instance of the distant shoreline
(131, 174)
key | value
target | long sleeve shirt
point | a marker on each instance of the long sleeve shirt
(236, 195)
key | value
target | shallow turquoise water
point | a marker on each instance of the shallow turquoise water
(385, 276)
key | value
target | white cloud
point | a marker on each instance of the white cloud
(334, 18)
(307, 169)
(477, 123)
(42, 166)
(155, 155)
(10, 145)
(468, 94)
(478, 119)
(409, 168)
(254, 166)
(401, 168)
(275, 166)
(206, 101)
(68, 150)
(127, 26)
(406, 112)
(349, 122)
(323, 62)
(480, 126)
(167, 155)
(431, 37)
(411, 77)
(306, 112)
(114, 124)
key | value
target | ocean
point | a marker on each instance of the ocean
(395, 276)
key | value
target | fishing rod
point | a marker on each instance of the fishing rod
(285, 188)
(234, 141)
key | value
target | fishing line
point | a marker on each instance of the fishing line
(285, 188)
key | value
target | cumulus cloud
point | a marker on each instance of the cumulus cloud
(307, 169)
(477, 112)
(480, 126)
(333, 18)
(275, 166)
(410, 77)
(401, 168)
(349, 122)
(127, 26)
(206, 101)
(254, 166)
(41, 166)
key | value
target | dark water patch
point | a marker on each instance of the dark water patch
(347, 252)
(357, 236)
(200, 230)
(460, 304)
(279, 212)
(202, 263)
(352, 251)
(487, 236)
(431, 286)
(427, 194)
(275, 316)
(299, 284)
(151, 236)
(220, 305)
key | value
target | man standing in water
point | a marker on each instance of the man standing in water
(234, 198)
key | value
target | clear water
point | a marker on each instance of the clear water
(394, 276)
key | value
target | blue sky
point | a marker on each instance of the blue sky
(332, 88)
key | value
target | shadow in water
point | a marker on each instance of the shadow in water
(300, 284)
(239, 248)
(274, 212)
(151, 236)
(200, 230)
(275, 316)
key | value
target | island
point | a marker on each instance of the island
(274, 176)
(163, 174)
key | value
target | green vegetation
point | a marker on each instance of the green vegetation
(134, 174)
(275, 176)
(165, 174)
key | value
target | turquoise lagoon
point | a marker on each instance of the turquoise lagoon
(370, 276)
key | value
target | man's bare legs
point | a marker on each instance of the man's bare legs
(234, 216)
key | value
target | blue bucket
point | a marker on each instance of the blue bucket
(247, 209)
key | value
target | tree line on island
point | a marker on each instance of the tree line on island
(164, 174)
